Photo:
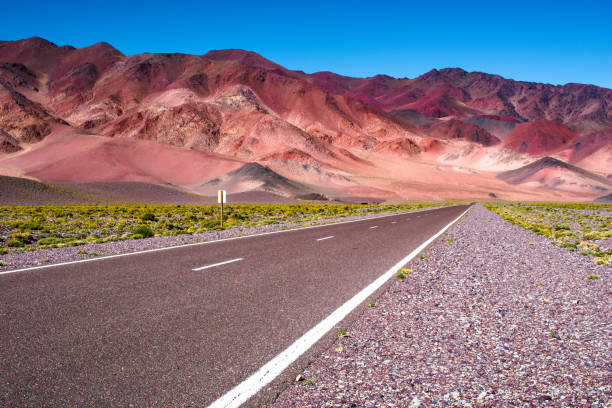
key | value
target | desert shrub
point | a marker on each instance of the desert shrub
(239, 217)
(148, 216)
(23, 237)
(31, 225)
(211, 224)
(52, 241)
(14, 243)
(144, 231)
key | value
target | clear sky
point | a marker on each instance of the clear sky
(544, 41)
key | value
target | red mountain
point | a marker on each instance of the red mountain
(457, 129)
(444, 134)
(540, 137)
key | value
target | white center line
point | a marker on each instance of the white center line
(217, 264)
(324, 238)
(376, 226)
(393, 222)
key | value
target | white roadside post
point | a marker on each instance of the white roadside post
(222, 198)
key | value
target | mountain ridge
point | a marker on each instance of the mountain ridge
(378, 135)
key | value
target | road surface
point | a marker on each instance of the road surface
(183, 326)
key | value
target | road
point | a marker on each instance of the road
(183, 326)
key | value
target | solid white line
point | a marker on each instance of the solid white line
(217, 264)
(376, 226)
(32, 268)
(269, 371)
(324, 238)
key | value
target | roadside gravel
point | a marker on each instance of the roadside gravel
(494, 315)
(39, 257)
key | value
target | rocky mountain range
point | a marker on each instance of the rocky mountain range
(233, 119)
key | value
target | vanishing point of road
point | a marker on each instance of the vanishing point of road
(182, 327)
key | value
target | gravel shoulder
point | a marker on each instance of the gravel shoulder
(40, 257)
(493, 315)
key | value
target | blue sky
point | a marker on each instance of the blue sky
(542, 41)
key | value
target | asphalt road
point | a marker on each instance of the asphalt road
(173, 328)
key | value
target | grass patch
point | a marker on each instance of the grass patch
(342, 333)
(572, 226)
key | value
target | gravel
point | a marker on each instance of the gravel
(39, 257)
(494, 315)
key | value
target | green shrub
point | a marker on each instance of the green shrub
(51, 241)
(211, 224)
(30, 226)
(144, 230)
(239, 217)
(14, 243)
(148, 217)
(23, 237)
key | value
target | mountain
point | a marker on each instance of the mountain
(93, 114)
(552, 173)
(604, 199)
(255, 177)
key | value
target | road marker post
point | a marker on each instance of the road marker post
(222, 198)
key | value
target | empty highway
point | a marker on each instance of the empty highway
(182, 327)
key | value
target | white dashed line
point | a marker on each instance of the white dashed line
(217, 264)
(324, 238)
(376, 226)
(393, 222)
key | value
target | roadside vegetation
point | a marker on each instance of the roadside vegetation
(24, 228)
(582, 227)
